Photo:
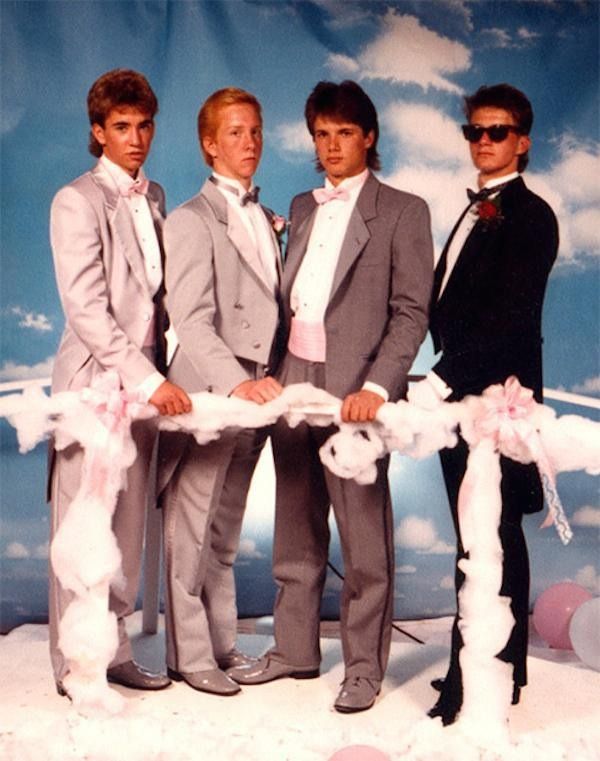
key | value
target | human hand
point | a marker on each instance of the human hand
(259, 391)
(361, 407)
(170, 399)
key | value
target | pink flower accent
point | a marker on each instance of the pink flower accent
(279, 224)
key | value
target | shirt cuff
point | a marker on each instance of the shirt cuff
(438, 384)
(376, 389)
(148, 386)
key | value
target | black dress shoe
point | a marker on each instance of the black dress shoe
(516, 696)
(131, 674)
(266, 670)
(444, 710)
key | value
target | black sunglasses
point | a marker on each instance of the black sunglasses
(496, 132)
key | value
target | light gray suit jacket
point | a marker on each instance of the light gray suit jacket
(376, 318)
(221, 307)
(102, 283)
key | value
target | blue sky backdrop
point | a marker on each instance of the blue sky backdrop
(415, 58)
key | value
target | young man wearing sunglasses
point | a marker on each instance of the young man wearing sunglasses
(486, 313)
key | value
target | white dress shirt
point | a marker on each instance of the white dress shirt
(256, 224)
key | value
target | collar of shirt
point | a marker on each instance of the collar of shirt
(237, 189)
(352, 184)
(117, 174)
(501, 180)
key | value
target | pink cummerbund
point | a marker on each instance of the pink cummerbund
(307, 340)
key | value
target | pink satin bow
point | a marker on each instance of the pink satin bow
(137, 186)
(323, 195)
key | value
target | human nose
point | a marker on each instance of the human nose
(135, 136)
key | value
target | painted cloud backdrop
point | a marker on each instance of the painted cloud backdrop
(415, 58)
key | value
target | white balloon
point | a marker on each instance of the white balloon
(584, 631)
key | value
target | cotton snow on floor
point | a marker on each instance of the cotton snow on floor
(558, 718)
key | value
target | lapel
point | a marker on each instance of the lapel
(236, 232)
(480, 242)
(304, 213)
(357, 233)
(270, 215)
(121, 223)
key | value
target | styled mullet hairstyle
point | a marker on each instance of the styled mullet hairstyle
(346, 102)
(208, 116)
(115, 89)
(508, 98)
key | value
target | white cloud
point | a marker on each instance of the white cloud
(416, 533)
(248, 551)
(447, 582)
(407, 52)
(41, 552)
(10, 371)
(33, 320)
(16, 551)
(526, 34)
(461, 9)
(589, 578)
(441, 548)
(406, 569)
(496, 37)
(587, 516)
(422, 130)
(293, 140)
(589, 386)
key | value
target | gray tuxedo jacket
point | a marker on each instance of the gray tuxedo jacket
(102, 283)
(377, 313)
(222, 309)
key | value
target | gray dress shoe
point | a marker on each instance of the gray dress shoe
(357, 694)
(213, 681)
(131, 674)
(233, 659)
(266, 670)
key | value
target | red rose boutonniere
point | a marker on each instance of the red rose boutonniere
(489, 212)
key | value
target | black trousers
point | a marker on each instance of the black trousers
(521, 494)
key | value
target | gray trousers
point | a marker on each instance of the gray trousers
(203, 503)
(305, 491)
(127, 524)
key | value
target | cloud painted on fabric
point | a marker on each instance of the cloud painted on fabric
(407, 52)
(11, 371)
(586, 516)
(31, 320)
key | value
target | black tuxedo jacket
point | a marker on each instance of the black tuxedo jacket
(487, 322)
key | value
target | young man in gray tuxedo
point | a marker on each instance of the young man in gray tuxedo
(105, 230)
(222, 278)
(356, 287)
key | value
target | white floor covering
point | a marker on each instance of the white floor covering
(288, 720)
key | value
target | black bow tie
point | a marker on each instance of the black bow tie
(484, 193)
(251, 196)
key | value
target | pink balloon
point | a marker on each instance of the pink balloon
(359, 753)
(553, 610)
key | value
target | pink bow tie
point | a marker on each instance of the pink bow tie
(137, 186)
(323, 195)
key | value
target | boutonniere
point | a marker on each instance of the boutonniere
(489, 212)
(279, 224)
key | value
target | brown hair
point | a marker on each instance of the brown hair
(119, 87)
(208, 116)
(508, 98)
(344, 102)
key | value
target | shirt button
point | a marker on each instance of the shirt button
(146, 317)
(245, 324)
(256, 345)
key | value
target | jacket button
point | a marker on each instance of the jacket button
(146, 317)
(256, 345)
(245, 324)
(237, 305)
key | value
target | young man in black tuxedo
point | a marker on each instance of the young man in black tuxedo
(486, 313)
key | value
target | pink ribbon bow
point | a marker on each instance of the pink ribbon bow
(323, 195)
